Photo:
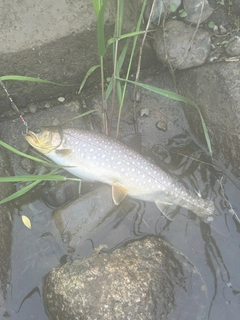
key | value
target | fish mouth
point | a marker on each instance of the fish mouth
(44, 139)
(31, 138)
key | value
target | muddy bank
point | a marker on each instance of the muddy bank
(6, 211)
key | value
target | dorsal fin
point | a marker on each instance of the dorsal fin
(118, 194)
(133, 141)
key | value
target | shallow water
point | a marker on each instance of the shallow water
(212, 246)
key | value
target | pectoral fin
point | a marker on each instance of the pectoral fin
(63, 152)
(167, 209)
(118, 194)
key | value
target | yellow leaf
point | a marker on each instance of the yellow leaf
(26, 221)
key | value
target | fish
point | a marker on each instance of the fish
(94, 156)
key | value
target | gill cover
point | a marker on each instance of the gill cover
(45, 139)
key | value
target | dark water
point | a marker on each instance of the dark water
(213, 247)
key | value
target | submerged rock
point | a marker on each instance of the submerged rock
(146, 279)
(78, 218)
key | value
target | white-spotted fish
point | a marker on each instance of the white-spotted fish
(94, 156)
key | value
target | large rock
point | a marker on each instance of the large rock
(144, 280)
(181, 46)
(195, 11)
(215, 89)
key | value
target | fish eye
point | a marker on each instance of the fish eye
(36, 130)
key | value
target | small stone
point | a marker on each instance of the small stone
(61, 99)
(215, 29)
(145, 112)
(32, 108)
(47, 105)
(161, 125)
(222, 29)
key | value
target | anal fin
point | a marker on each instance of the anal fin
(118, 194)
(167, 209)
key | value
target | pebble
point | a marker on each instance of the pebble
(47, 105)
(32, 108)
(145, 112)
(161, 125)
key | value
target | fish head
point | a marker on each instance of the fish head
(45, 139)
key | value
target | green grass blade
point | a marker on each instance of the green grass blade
(119, 63)
(120, 4)
(100, 29)
(37, 180)
(43, 162)
(7, 146)
(31, 79)
(124, 36)
(177, 97)
(19, 192)
(97, 5)
(44, 177)
(130, 62)
(90, 71)
(79, 116)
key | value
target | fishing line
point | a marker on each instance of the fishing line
(15, 108)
